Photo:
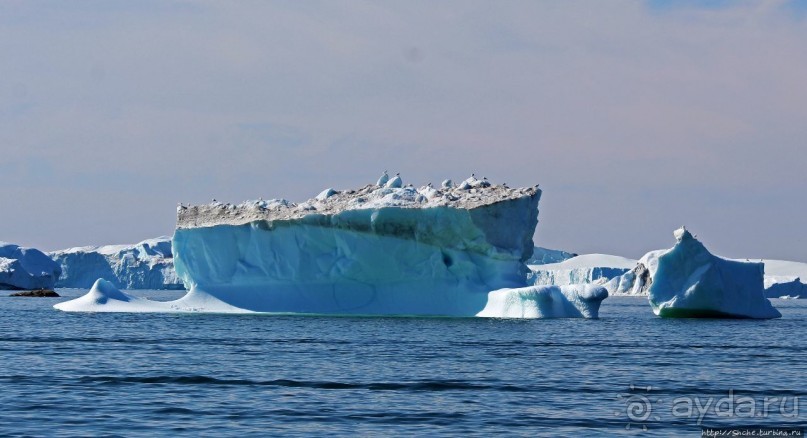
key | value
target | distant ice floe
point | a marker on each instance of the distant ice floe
(582, 269)
(26, 268)
(545, 256)
(785, 279)
(145, 265)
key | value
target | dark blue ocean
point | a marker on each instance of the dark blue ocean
(68, 374)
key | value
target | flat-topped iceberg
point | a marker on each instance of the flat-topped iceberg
(26, 268)
(569, 301)
(145, 265)
(383, 249)
(688, 281)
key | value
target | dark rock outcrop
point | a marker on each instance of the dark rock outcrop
(39, 293)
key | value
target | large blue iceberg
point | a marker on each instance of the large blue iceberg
(377, 250)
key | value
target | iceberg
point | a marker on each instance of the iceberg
(582, 269)
(145, 265)
(376, 250)
(105, 297)
(785, 288)
(545, 256)
(781, 279)
(569, 301)
(688, 281)
(26, 268)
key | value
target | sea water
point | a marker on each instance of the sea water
(238, 375)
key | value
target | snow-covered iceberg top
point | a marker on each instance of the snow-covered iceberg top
(26, 268)
(383, 249)
(145, 265)
(469, 195)
(569, 301)
(688, 281)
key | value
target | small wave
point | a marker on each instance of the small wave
(423, 385)
(175, 410)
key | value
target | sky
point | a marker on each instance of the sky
(635, 117)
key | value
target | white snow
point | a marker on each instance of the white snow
(146, 265)
(688, 281)
(26, 268)
(570, 301)
(374, 250)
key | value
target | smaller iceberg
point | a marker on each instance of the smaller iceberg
(785, 279)
(26, 268)
(105, 297)
(793, 288)
(687, 281)
(569, 301)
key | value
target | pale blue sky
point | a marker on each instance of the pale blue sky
(634, 116)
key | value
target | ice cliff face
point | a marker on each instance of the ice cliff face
(145, 265)
(688, 281)
(26, 268)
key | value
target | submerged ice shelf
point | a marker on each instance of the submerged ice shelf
(383, 249)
